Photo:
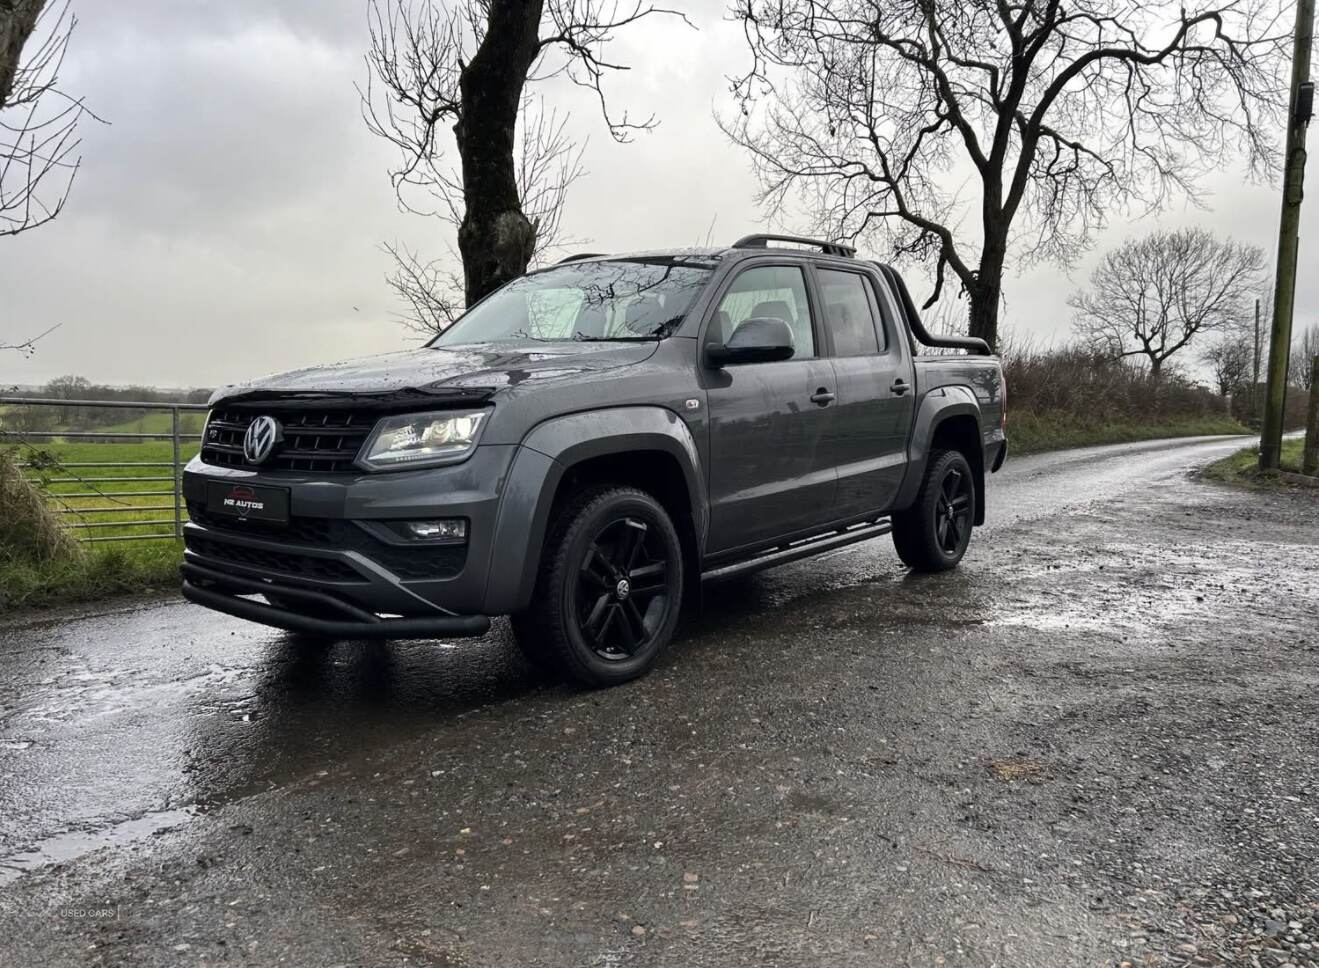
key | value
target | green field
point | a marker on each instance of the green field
(159, 423)
(155, 422)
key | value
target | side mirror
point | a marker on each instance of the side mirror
(760, 339)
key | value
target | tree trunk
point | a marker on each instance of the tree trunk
(984, 314)
(496, 239)
(987, 292)
(17, 20)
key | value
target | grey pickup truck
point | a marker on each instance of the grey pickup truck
(587, 445)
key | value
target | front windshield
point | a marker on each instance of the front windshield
(614, 300)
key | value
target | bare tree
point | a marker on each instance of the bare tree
(1230, 360)
(466, 65)
(1151, 297)
(1301, 362)
(38, 122)
(1046, 115)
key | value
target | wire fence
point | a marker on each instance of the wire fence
(119, 484)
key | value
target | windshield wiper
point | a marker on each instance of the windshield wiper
(584, 338)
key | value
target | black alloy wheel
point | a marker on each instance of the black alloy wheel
(952, 511)
(622, 594)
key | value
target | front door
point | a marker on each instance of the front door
(769, 473)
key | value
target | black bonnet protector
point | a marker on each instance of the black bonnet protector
(399, 400)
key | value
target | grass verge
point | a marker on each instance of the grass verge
(131, 568)
(1032, 434)
(1242, 468)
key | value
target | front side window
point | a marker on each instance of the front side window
(847, 313)
(778, 291)
(609, 300)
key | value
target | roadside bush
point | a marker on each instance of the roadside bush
(1093, 387)
(1248, 409)
(41, 564)
(1073, 397)
(29, 530)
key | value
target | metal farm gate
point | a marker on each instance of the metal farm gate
(116, 485)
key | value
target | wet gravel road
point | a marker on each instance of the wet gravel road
(1095, 742)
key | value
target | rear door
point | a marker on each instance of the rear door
(770, 474)
(868, 436)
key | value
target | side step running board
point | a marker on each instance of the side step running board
(801, 549)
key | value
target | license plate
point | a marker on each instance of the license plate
(248, 502)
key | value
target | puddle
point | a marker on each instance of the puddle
(86, 694)
(73, 844)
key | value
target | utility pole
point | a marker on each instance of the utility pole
(1299, 109)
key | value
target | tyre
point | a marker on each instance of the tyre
(533, 645)
(609, 590)
(933, 533)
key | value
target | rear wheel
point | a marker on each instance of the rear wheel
(932, 534)
(610, 588)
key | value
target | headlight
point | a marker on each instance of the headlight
(413, 439)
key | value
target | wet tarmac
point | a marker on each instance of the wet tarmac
(1094, 742)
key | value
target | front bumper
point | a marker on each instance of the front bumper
(335, 570)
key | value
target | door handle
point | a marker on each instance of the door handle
(900, 386)
(823, 397)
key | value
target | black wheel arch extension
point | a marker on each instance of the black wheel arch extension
(950, 421)
(648, 447)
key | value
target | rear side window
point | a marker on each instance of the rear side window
(848, 313)
(768, 291)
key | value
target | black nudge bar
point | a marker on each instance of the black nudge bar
(220, 591)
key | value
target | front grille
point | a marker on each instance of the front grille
(419, 563)
(282, 562)
(324, 441)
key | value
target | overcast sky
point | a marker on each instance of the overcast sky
(227, 222)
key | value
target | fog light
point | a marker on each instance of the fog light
(452, 529)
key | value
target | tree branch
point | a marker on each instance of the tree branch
(38, 122)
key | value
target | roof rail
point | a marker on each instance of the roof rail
(579, 257)
(762, 242)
